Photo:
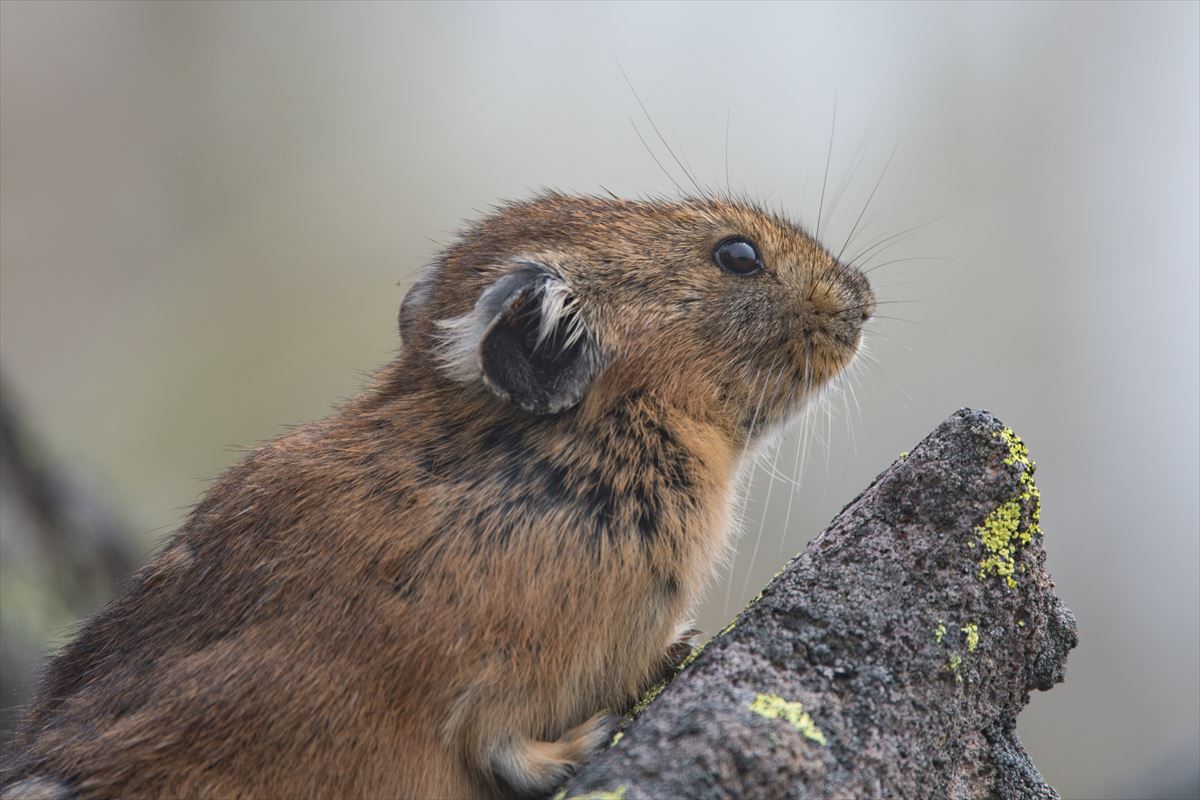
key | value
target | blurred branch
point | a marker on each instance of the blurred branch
(62, 552)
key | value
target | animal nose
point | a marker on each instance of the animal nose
(868, 306)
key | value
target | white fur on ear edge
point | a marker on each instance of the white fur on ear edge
(460, 336)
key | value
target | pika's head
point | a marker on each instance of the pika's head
(712, 301)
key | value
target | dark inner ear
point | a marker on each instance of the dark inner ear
(544, 377)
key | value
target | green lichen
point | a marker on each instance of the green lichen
(904, 455)
(1018, 453)
(649, 697)
(654, 691)
(692, 656)
(1001, 537)
(758, 597)
(615, 794)
(618, 736)
(953, 666)
(772, 706)
(763, 591)
(939, 631)
(1004, 532)
(971, 630)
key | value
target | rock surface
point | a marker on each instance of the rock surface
(889, 659)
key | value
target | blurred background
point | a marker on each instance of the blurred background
(209, 214)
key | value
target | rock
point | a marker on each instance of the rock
(889, 659)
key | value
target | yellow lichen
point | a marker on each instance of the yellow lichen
(654, 691)
(1003, 533)
(1018, 453)
(904, 455)
(618, 736)
(615, 794)
(692, 656)
(651, 694)
(971, 630)
(953, 664)
(772, 706)
(939, 631)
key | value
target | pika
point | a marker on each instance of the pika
(442, 589)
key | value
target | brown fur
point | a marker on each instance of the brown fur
(433, 593)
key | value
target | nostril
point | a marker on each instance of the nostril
(868, 308)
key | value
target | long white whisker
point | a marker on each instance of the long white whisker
(762, 519)
(867, 204)
(797, 466)
(828, 158)
(658, 133)
(762, 523)
(746, 489)
(887, 242)
(855, 162)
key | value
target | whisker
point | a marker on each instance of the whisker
(873, 333)
(828, 157)
(888, 241)
(856, 370)
(802, 440)
(762, 520)
(867, 204)
(856, 161)
(665, 171)
(728, 114)
(906, 282)
(762, 524)
(744, 499)
(880, 369)
(902, 260)
(796, 469)
(914, 322)
(907, 300)
(657, 132)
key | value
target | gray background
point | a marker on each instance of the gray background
(209, 213)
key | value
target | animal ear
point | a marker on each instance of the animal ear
(415, 301)
(526, 340)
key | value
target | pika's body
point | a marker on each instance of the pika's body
(441, 589)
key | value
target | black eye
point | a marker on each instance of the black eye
(738, 256)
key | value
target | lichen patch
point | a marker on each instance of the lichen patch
(649, 697)
(772, 706)
(1006, 531)
(954, 664)
(971, 631)
(610, 794)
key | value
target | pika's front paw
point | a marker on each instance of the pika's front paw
(531, 768)
(687, 639)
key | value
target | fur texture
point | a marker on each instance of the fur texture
(435, 592)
